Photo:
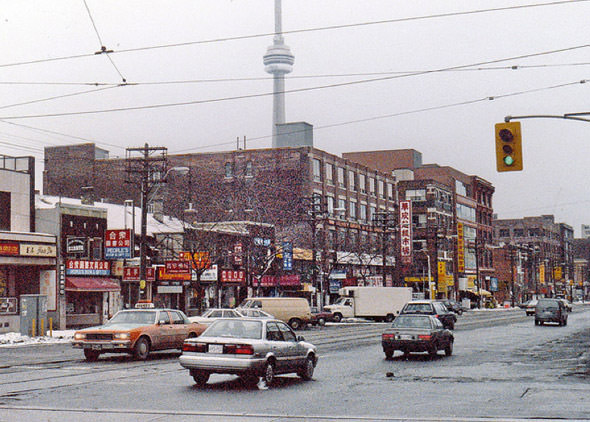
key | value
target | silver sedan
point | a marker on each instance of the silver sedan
(248, 347)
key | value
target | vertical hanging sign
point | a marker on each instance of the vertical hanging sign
(460, 249)
(405, 230)
(287, 256)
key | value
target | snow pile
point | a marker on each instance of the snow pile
(17, 339)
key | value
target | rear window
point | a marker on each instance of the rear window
(548, 304)
(418, 308)
(234, 327)
(406, 321)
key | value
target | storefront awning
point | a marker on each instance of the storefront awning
(91, 284)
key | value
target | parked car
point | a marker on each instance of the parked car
(417, 333)
(212, 314)
(453, 306)
(320, 317)
(254, 313)
(137, 331)
(430, 307)
(550, 310)
(248, 347)
(530, 307)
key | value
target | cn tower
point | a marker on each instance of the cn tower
(278, 61)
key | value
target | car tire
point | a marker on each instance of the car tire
(389, 318)
(449, 348)
(306, 372)
(536, 322)
(200, 377)
(565, 321)
(321, 322)
(388, 353)
(451, 326)
(295, 323)
(91, 355)
(249, 379)
(269, 373)
(337, 317)
(141, 349)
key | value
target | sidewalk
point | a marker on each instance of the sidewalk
(16, 339)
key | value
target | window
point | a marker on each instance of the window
(390, 191)
(329, 173)
(363, 212)
(248, 170)
(352, 212)
(5, 211)
(229, 169)
(288, 335)
(381, 188)
(352, 180)
(372, 211)
(465, 213)
(372, 186)
(416, 195)
(330, 204)
(518, 232)
(419, 220)
(504, 233)
(362, 183)
(317, 170)
(272, 332)
(163, 318)
(342, 207)
(460, 188)
(177, 318)
(341, 177)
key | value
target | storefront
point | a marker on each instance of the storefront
(92, 296)
(27, 266)
(171, 289)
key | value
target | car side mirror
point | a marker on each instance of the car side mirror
(300, 338)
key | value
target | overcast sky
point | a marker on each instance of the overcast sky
(444, 114)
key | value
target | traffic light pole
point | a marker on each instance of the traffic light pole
(568, 116)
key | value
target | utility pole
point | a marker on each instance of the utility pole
(150, 164)
(316, 213)
(512, 252)
(383, 219)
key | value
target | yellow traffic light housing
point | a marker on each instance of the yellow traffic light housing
(508, 146)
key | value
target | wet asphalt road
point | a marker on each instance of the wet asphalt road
(511, 370)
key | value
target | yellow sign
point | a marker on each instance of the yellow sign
(557, 273)
(442, 269)
(460, 248)
(542, 274)
(142, 284)
(416, 279)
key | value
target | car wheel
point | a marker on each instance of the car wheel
(536, 322)
(269, 373)
(249, 379)
(565, 321)
(451, 326)
(306, 372)
(388, 353)
(200, 377)
(389, 318)
(91, 355)
(295, 323)
(321, 322)
(142, 348)
(337, 317)
(449, 348)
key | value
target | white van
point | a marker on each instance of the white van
(295, 311)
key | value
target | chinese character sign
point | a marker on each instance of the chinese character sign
(117, 244)
(287, 256)
(405, 230)
(178, 267)
(83, 267)
(460, 248)
(238, 260)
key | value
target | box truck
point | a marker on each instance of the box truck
(376, 303)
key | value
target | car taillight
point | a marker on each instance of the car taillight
(194, 347)
(387, 336)
(424, 337)
(238, 349)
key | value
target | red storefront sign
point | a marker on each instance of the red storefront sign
(132, 274)
(238, 260)
(163, 275)
(178, 267)
(198, 260)
(9, 249)
(232, 276)
(283, 280)
(405, 229)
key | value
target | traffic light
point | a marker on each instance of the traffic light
(508, 146)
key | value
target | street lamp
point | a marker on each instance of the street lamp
(145, 187)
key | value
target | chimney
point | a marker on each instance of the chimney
(87, 196)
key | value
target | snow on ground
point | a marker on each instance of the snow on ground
(17, 339)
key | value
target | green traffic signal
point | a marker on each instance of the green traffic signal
(508, 160)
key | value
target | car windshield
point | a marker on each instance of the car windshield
(134, 317)
(417, 307)
(234, 328)
(547, 305)
(406, 321)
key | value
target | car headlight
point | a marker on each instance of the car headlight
(79, 336)
(121, 336)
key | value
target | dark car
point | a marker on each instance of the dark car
(550, 310)
(417, 333)
(431, 307)
(320, 317)
(453, 306)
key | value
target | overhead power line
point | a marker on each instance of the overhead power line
(299, 31)
(334, 85)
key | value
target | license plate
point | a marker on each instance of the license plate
(96, 347)
(405, 337)
(215, 348)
